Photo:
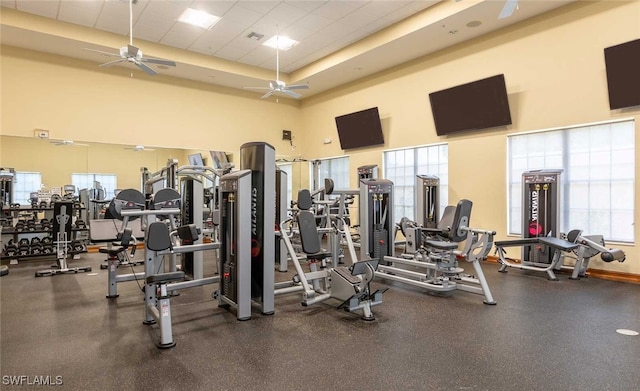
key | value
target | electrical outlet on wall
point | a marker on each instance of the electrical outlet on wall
(41, 133)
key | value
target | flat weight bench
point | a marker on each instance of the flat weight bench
(558, 246)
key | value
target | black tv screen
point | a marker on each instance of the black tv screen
(623, 74)
(360, 129)
(480, 104)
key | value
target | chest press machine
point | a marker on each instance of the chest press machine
(324, 280)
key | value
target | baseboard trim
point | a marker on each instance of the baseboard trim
(596, 273)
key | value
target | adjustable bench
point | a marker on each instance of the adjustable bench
(557, 245)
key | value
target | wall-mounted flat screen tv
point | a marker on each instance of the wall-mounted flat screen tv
(623, 74)
(360, 129)
(480, 104)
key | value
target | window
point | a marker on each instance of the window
(109, 182)
(401, 167)
(25, 183)
(597, 189)
(336, 168)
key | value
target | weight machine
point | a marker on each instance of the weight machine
(589, 246)
(377, 229)
(325, 280)
(541, 246)
(431, 258)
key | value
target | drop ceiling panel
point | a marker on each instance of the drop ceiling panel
(44, 8)
(261, 7)
(218, 8)
(307, 5)
(182, 35)
(335, 9)
(83, 13)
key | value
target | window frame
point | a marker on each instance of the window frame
(569, 177)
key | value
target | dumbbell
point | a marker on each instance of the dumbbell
(78, 246)
(43, 204)
(15, 205)
(23, 247)
(20, 226)
(47, 249)
(80, 224)
(36, 249)
(45, 224)
(10, 250)
(31, 225)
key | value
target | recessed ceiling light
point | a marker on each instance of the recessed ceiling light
(283, 43)
(453, 32)
(198, 18)
(474, 23)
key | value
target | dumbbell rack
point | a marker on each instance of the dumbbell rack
(38, 245)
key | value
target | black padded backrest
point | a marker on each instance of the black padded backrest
(573, 235)
(308, 232)
(328, 185)
(125, 239)
(158, 238)
(446, 221)
(304, 199)
(460, 219)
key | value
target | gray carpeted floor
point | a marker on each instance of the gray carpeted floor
(542, 335)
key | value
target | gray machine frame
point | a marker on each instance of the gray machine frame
(235, 241)
(376, 218)
(260, 158)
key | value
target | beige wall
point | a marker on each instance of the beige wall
(77, 100)
(555, 75)
(554, 70)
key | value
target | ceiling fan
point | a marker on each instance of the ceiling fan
(509, 7)
(140, 148)
(69, 143)
(133, 54)
(277, 85)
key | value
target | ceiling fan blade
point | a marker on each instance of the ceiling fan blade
(158, 61)
(298, 87)
(509, 7)
(292, 94)
(101, 52)
(147, 69)
(108, 64)
(257, 88)
(268, 94)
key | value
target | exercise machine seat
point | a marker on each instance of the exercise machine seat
(125, 241)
